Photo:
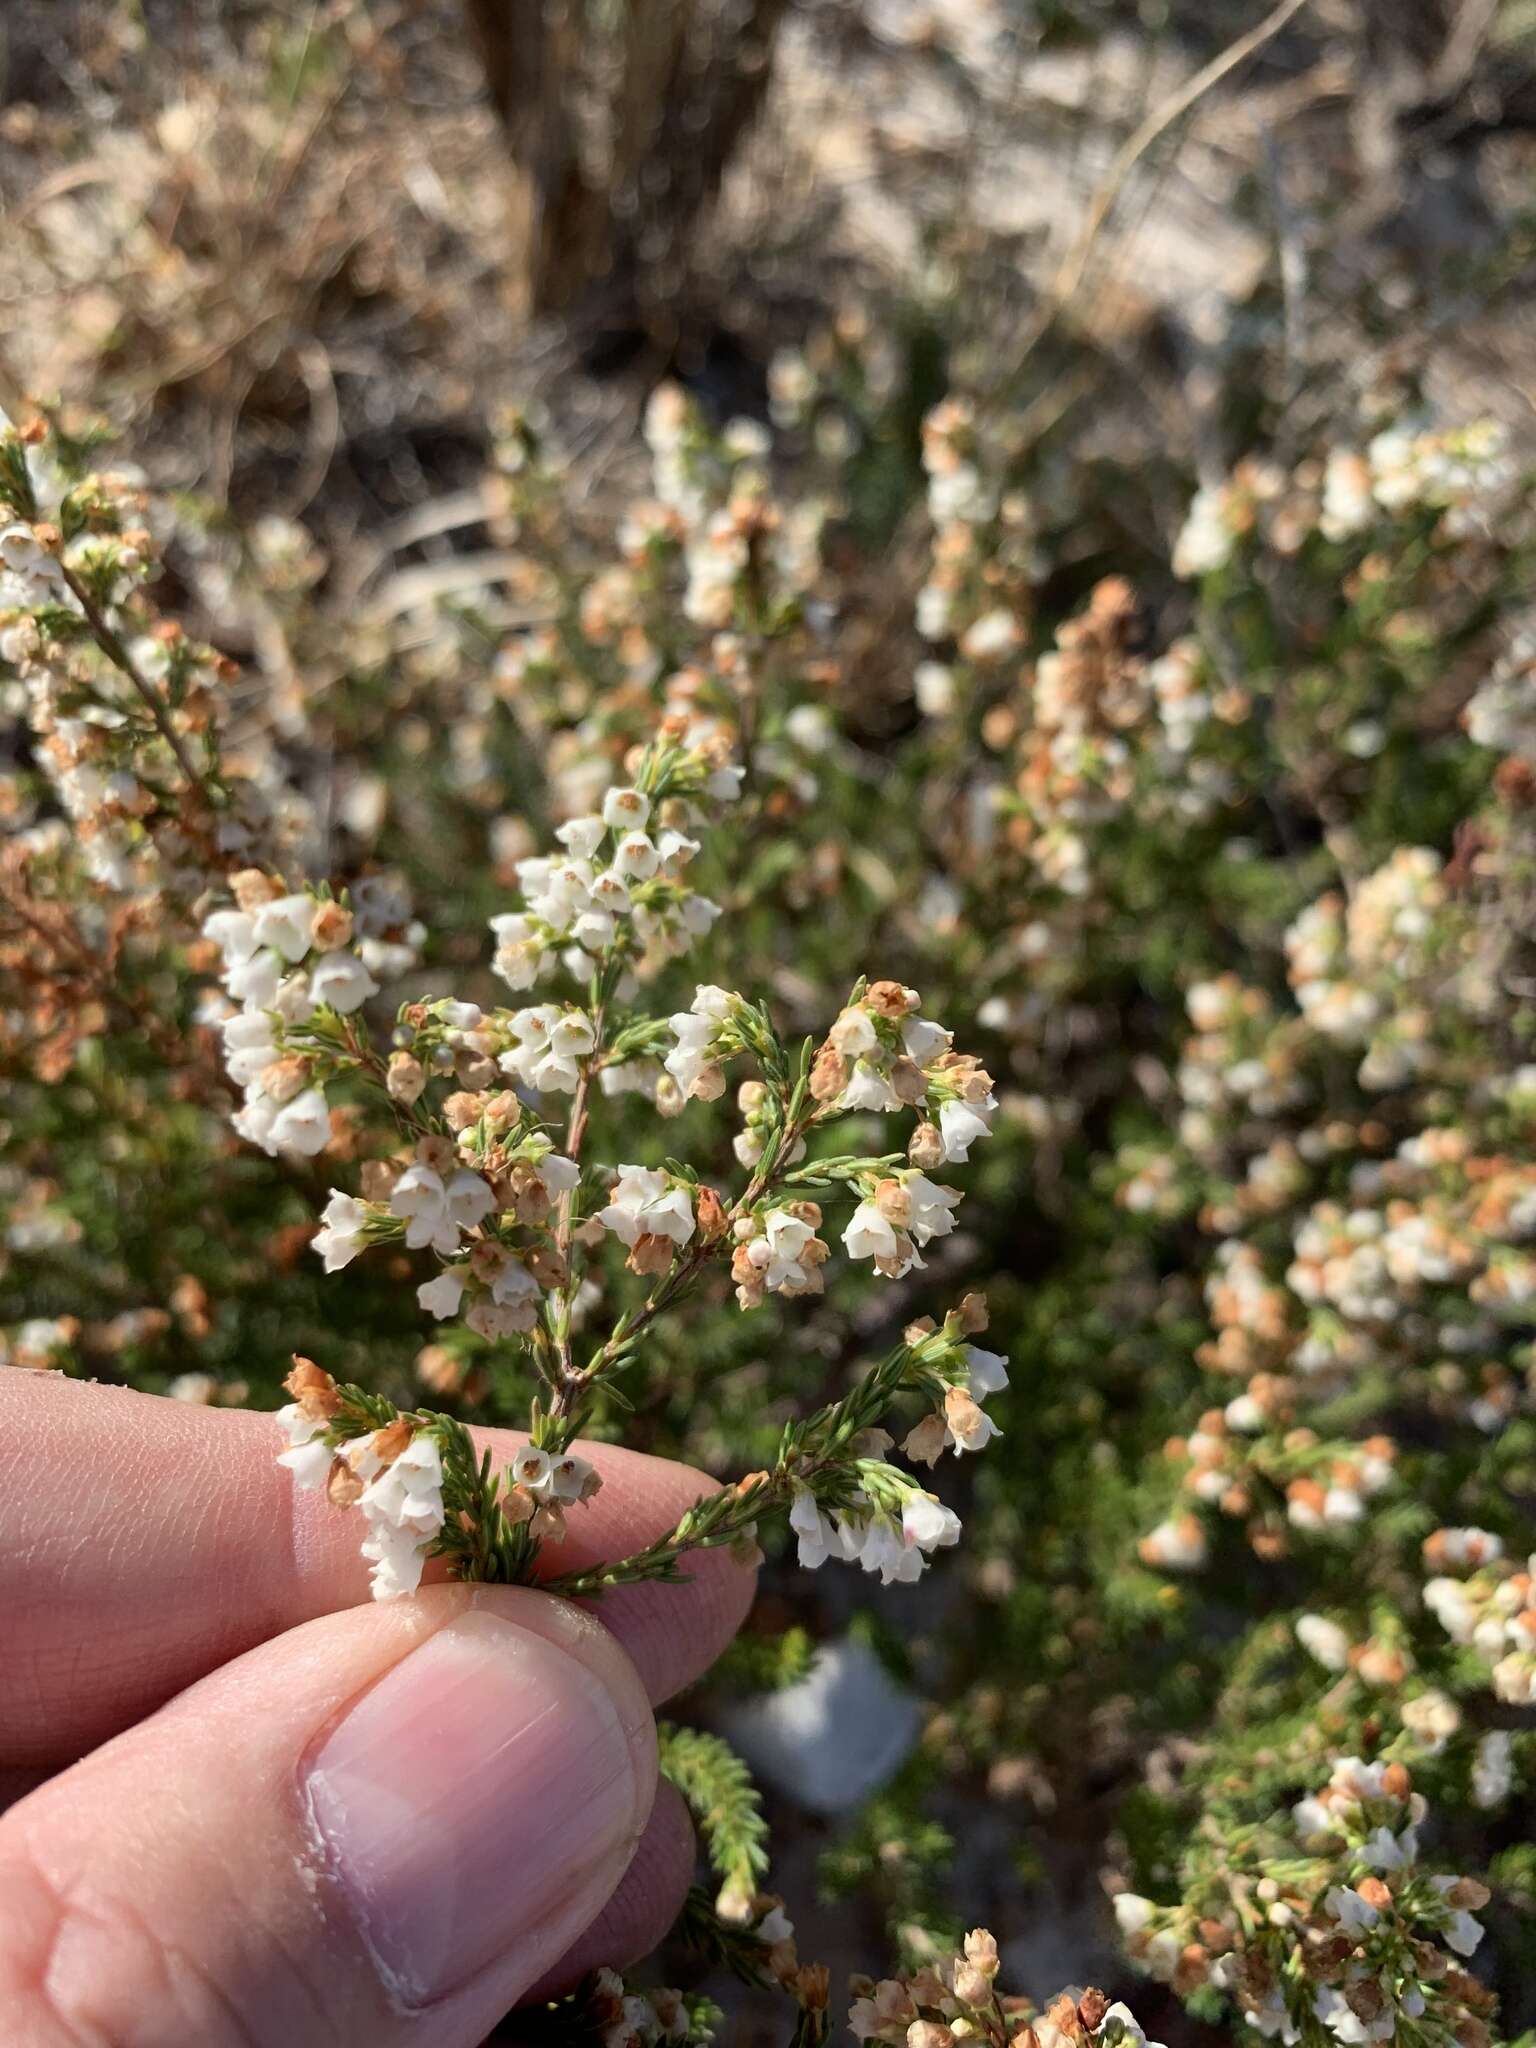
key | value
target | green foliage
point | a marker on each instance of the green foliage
(723, 1801)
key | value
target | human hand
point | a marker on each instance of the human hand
(252, 1807)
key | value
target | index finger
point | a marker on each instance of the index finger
(143, 1542)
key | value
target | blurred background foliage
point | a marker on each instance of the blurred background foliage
(376, 294)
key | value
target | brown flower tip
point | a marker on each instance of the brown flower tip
(251, 888)
(909, 1082)
(812, 1986)
(518, 1506)
(313, 1389)
(926, 1148)
(925, 1443)
(973, 1314)
(331, 927)
(651, 1253)
(711, 1214)
(829, 1074)
(343, 1488)
(378, 1178)
(1514, 781)
(390, 1441)
(889, 999)
(405, 1078)
(1091, 2008)
(437, 1153)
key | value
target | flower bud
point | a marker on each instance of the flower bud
(909, 1082)
(285, 1078)
(973, 1314)
(437, 1154)
(924, 1444)
(829, 1074)
(332, 927)
(650, 1253)
(926, 1149)
(251, 888)
(387, 1443)
(313, 1389)
(343, 1488)
(546, 1265)
(1091, 2007)
(405, 1078)
(972, 1986)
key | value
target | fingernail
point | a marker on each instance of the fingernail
(480, 1785)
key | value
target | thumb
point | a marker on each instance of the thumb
(384, 1826)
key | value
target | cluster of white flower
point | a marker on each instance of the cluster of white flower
(634, 2019)
(1108, 728)
(685, 476)
(952, 1991)
(41, 1343)
(899, 1214)
(1349, 1932)
(614, 874)
(124, 708)
(1220, 515)
(958, 492)
(549, 1043)
(1464, 474)
(716, 488)
(985, 558)
(956, 1998)
(1377, 971)
(881, 1055)
(896, 1548)
(778, 1252)
(883, 1520)
(266, 944)
(1486, 1603)
(702, 1041)
(80, 734)
(394, 1477)
(1501, 713)
(1426, 1264)
(651, 1214)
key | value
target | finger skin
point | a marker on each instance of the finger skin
(637, 1919)
(171, 1888)
(143, 1542)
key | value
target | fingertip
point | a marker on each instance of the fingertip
(674, 1633)
(641, 1913)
